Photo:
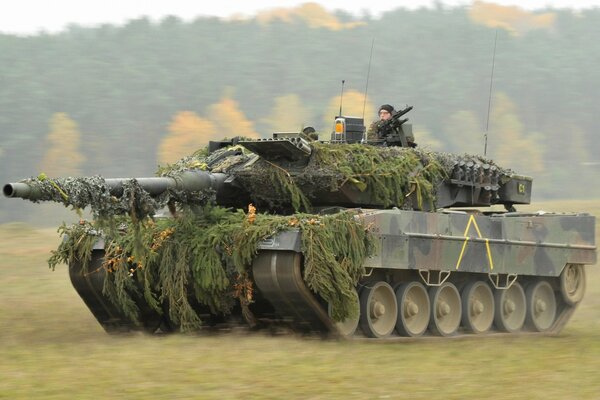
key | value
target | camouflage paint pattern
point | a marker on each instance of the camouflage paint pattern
(504, 243)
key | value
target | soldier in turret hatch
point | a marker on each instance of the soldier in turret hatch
(385, 114)
(388, 130)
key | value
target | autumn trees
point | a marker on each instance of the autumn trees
(63, 153)
(188, 132)
(147, 92)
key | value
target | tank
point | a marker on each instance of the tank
(344, 237)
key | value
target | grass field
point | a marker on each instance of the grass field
(51, 347)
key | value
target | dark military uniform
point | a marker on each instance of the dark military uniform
(374, 133)
(375, 130)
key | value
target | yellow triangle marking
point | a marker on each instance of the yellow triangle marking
(464, 246)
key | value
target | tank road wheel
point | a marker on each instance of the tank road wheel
(572, 283)
(510, 308)
(445, 309)
(413, 309)
(541, 306)
(478, 307)
(347, 327)
(378, 310)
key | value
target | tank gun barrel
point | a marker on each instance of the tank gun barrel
(18, 189)
(188, 181)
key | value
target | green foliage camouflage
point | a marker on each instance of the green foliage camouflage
(389, 174)
(204, 256)
(92, 191)
(201, 257)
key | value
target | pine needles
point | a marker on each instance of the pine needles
(202, 260)
(334, 248)
(388, 174)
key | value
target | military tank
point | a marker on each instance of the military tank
(342, 237)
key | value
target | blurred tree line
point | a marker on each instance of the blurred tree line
(119, 100)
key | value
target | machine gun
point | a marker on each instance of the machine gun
(391, 131)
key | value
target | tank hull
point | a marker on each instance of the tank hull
(522, 271)
(503, 243)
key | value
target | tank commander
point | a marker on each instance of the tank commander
(385, 114)
(386, 131)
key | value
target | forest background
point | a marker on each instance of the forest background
(119, 100)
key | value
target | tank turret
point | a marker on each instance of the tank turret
(288, 173)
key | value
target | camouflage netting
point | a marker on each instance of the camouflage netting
(205, 258)
(389, 175)
(93, 191)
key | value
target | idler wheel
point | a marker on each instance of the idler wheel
(572, 283)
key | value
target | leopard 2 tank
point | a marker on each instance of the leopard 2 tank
(359, 238)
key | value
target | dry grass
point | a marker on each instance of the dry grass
(51, 347)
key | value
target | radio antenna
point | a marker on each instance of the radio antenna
(487, 124)
(368, 74)
(342, 97)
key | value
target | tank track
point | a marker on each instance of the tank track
(295, 303)
(285, 301)
(89, 284)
